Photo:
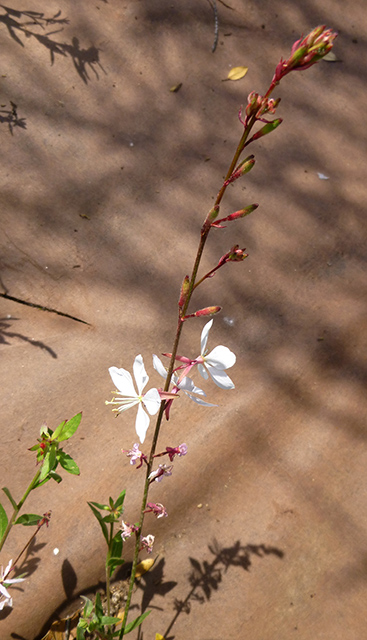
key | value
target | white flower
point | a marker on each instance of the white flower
(5, 598)
(216, 361)
(150, 401)
(186, 385)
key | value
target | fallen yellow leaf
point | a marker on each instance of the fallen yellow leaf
(236, 73)
(158, 636)
(143, 567)
(176, 87)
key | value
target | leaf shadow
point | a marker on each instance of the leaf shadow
(28, 23)
(205, 577)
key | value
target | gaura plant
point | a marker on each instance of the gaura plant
(49, 455)
(256, 124)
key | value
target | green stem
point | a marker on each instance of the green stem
(18, 508)
(108, 581)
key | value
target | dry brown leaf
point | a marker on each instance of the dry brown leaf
(59, 628)
(236, 73)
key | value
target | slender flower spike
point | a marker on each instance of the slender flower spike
(214, 363)
(150, 401)
(5, 598)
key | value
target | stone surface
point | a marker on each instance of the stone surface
(106, 178)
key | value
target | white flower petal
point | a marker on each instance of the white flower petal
(220, 378)
(200, 401)
(159, 366)
(188, 386)
(4, 592)
(152, 401)
(122, 381)
(203, 372)
(140, 375)
(204, 335)
(141, 423)
(220, 358)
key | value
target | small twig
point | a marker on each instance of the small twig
(216, 25)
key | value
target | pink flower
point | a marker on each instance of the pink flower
(127, 530)
(163, 470)
(158, 509)
(179, 451)
(147, 543)
(135, 454)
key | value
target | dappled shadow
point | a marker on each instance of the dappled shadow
(205, 577)
(11, 118)
(25, 23)
(5, 334)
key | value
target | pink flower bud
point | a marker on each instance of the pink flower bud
(234, 216)
(208, 311)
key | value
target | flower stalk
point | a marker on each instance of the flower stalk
(305, 52)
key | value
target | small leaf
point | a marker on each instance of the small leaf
(120, 499)
(28, 519)
(176, 87)
(49, 462)
(99, 505)
(3, 520)
(68, 463)
(66, 429)
(236, 73)
(100, 520)
(135, 623)
(158, 636)
(10, 497)
(109, 620)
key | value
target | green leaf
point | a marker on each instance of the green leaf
(120, 499)
(117, 545)
(67, 429)
(113, 563)
(58, 430)
(109, 620)
(98, 606)
(105, 507)
(135, 623)
(49, 462)
(88, 606)
(3, 520)
(80, 632)
(100, 520)
(10, 497)
(55, 476)
(68, 463)
(28, 519)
